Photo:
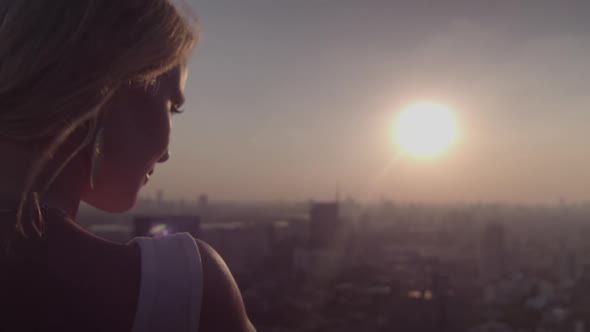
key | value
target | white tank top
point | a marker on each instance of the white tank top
(171, 284)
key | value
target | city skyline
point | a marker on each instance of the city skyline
(345, 267)
(296, 99)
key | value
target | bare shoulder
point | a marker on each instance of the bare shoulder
(222, 307)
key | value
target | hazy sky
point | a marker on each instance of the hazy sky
(292, 99)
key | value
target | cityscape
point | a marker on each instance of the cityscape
(377, 165)
(342, 265)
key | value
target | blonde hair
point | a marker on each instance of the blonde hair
(60, 61)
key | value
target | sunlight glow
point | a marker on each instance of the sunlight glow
(425, 129)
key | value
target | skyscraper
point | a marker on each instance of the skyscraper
(204, 207)
(493, 265)
(160, 196)
(325, 224)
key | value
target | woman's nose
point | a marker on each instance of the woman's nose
(164, 157)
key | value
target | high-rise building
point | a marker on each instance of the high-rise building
(204, 207)
(567, 264)
(160, 196)
(243, 245)
(203, 200)
(493, 264)
(325, 224)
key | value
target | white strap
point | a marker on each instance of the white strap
(171, 284)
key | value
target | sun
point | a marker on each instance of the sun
(425, 129)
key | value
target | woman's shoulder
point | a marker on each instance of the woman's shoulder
(218, 299)
(223, 307)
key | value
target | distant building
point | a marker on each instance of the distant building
(203, 200)
(318, 264)
(568, 266)
(242, 245)
(493, 263)
(325, 225)
(204, 207)
(160, 196)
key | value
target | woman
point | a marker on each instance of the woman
(87, 90)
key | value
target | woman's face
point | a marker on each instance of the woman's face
(136, 126)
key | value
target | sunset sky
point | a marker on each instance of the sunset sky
(295, 99)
